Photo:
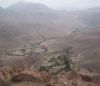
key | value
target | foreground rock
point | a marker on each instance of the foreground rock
(81, 77)
(73, 78)
(33, 76)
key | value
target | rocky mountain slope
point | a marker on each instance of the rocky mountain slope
(45, 47)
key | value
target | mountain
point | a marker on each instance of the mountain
(86, 18)
(31, 23)
(95, 9)
(38, 12)
(90, 17)
(28, 7)
(1, 10)
(29, 10)
(0, 7)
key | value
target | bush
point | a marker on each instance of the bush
(44, 69)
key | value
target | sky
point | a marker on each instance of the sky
(57, 4)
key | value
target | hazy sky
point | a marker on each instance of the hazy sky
(57, 3)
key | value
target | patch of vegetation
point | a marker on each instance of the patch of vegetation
(42, 68)
(57, 61)
(67, 50)
(35, 45)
